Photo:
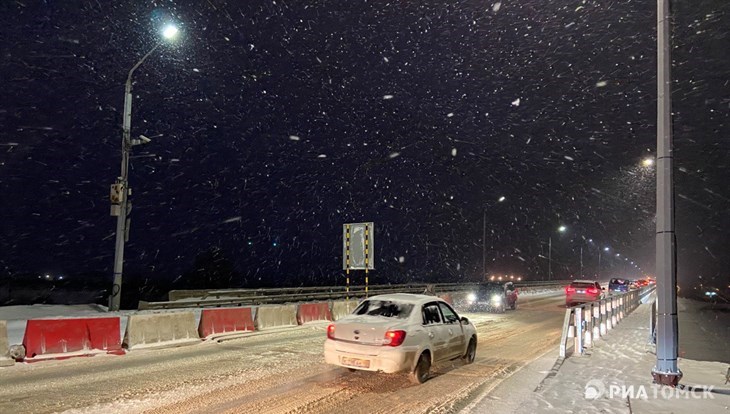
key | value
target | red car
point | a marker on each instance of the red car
(583, 291)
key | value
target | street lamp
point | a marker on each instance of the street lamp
(484, 237)
(647, 162)
(120, 190)
(598, 274)
(561, 229)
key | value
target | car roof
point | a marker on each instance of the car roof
(405, 297)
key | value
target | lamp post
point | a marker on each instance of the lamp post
(484, 237)
(666, 371)
(561, 229)
(598, 273)
(120, 190)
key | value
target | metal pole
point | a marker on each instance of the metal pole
(122, 226)
(666, 371)
(484, 244)
(550, 258)
(598, 274)
(581, 262)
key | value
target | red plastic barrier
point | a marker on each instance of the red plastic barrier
(82, 336)
(308, 312)
(223, 320)
(447, 298)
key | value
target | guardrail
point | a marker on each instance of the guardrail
(248, 297)
(588, 322)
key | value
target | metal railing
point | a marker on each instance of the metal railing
(588, 322)
(247, 297)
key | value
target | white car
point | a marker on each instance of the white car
(400, 332)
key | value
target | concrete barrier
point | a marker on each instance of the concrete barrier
(161, 330)
(342, 308)
(5, 360)
(310, 312)
(225, 320)
(275, 315)
(69, 337)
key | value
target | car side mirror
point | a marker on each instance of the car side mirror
(464, 320)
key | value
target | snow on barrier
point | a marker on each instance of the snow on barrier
(225, 320)
(69, 337)
(5, 360)
(161, 330)
(310, 312)
(342, 308)
(275, 315)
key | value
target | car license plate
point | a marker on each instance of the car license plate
(581, 291)
(355, 362)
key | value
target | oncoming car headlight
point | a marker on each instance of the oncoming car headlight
(471, 297)
(496, 299)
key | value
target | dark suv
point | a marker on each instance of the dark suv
(619, 285)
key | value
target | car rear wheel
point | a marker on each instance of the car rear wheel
(422, 370)
(471, 351)
(514, 305)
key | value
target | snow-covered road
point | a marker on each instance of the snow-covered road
(278, 372)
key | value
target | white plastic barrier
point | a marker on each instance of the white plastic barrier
(269, 316)
(161, 329)
(5, 359)
(588, 322)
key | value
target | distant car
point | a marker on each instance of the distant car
(617, 285)
(642, 283)
(400, 333)
(583, 291)
(492, 296)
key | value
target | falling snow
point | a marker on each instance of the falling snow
(273, 123)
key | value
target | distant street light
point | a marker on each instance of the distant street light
(120, 191)
(647, 162)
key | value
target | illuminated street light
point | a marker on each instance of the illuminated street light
(647, 162)
(562, 229)
(120, 190)
(605, 249)
(170, 32)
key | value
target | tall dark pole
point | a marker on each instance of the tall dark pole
(484, 244)
(581, 262)
(666, 371)
(550, 258)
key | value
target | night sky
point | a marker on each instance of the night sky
(275, 122)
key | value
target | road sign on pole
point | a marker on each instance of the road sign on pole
(358, 246)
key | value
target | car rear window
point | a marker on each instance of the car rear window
(582, 285)
(388, 309)
(619, 282)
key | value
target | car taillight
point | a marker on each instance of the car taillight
(394, 338)
(569, 290)
(592, 291)
(331, 331)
